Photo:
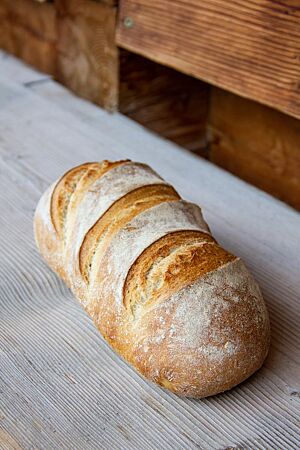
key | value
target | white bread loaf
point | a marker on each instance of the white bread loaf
(142, 262)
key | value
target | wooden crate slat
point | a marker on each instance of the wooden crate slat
(256, 143)
(250, 48)
(28, 30)
(87, 53)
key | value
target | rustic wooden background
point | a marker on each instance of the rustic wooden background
(137, 57)
(249, 48)
(61, 385)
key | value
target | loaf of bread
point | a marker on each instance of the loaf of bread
(143, 264)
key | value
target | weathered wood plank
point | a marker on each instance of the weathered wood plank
(87, 52)
(63, 387)
(28, 30)
(69, 39)
(256, 143)
(250, 48)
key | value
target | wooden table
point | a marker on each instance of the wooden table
(62, 387)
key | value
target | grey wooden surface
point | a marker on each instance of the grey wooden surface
(61, 386)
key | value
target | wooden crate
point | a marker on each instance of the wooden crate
(74, 41)
(248, 48)
(28, 29)
(87, 55)
(256, 143)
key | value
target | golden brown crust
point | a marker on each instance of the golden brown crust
(61, 195)
(51, 212)
(168, 265)
(117, 216)
(183, 311)
(67, 185)
(200, 346)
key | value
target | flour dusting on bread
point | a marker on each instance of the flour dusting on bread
(142, 262)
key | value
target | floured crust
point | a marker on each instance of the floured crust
(97, 200)
(45, 234)
(172, 262)
(207, 337)
(142, 262)
(118, 215)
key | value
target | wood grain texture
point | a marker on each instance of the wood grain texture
(62, 386)
(69, 39)
(250, 48)
(165, 101)
(87, 53)
(28, 30)
(256, 143)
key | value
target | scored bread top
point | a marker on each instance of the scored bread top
(100, 196)
(118, 215)
(144, 265)
(140, 233)
(174, 261)
(61, 196)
